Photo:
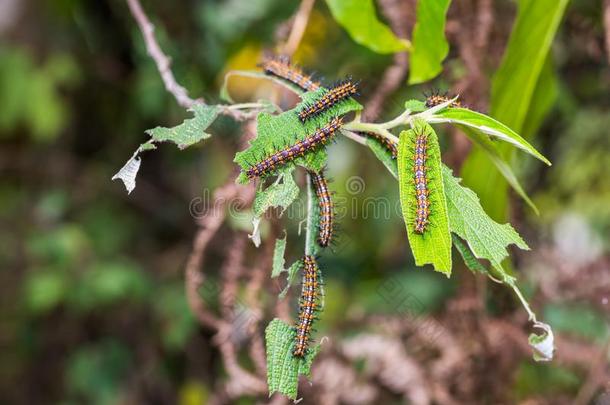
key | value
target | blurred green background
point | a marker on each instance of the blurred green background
(93, 305)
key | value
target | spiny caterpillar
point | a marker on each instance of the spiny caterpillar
(333, 96)
(435, 99)
(391, 146)
(421, 182)
(308, 305)
(318, 138)
(325, 203)
(281, 67)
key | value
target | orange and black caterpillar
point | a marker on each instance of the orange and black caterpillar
(308, 305)
(421, 182)
(435, 99)
(318, 138)
(325, 203)
(281, 67)
(392, 147)
(336, 94)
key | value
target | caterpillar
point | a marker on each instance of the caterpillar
(320, 137)
(421, 183)
(435, 99)
(325, 203)
(281, 67)
(333, 96)
(308, 305)
(392, 147)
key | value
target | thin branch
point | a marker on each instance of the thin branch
(400, 16)
(208, 226)
(298, 27)
(162, 61)
(607, 26)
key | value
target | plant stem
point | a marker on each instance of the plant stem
(368, 127)
(245, 106)
(353, 136)
(402, 119)
(309, 225)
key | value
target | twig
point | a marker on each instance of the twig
(298, 27)
(162, 61)
(607, 26)
(208, 226)
(258, 275)
(595, 377)
(399, 16)
(231, 272)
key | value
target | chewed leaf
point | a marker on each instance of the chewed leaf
(191, 130)
(486, 238)
(279, 262)
(283, 368)
(433, 245)
(278, 257)
(486, 125)
(129, 171)
(275, 132)
(544, 343)
(281, 193)
(255, 237)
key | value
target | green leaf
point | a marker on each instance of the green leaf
(430, 47)
(313, 220)
(359, 19)
(383, 154)
(415, 105)
(283, 368)
(190, 131)
(281, 193)
(526, 53)
(486, 238)
(493, 154)
(545, 95)
(434, 245)
(521, 87)
(486, 125)
(275, 132)
(469, 260)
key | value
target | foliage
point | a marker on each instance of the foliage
(284, 368)
(519, 89)
(358, 17)
(434, 244)
(429, 44)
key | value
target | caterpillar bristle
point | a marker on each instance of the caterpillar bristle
(436, 98)
(281, 67)
(333, 96)
(319, 138)
(421, 183)
(325, 205)
(308, 305)
(391, 146)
